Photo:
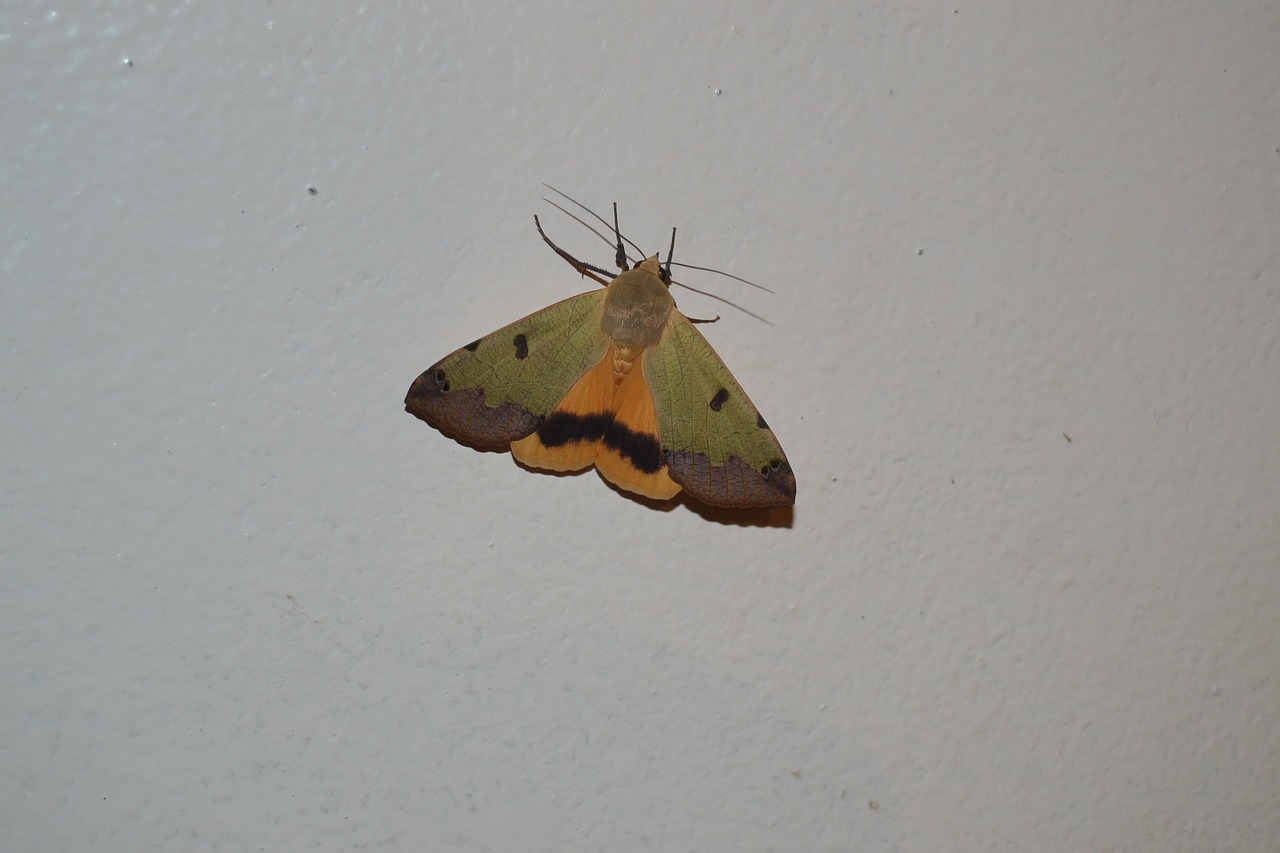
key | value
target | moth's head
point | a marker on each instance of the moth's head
(652, 266)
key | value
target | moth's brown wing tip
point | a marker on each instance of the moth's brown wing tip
(736, 483)
(782, 480)
(428, 398)
(426, 387)
(464, 414)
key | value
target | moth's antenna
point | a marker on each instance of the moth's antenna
(723, 273)
(666, 269)
(621, 256)
(578, 220)
(580, 266)
(725, 301)
(633, 245)
(597, 216)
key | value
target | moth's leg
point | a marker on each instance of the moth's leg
(591, 272)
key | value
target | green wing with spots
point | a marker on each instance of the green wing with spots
(497, 389)
(716, 445)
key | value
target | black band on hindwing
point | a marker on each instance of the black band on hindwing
(640, 449)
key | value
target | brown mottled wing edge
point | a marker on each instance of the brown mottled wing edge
(737, 484)
(463, 414)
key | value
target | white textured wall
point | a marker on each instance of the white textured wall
(247, 603)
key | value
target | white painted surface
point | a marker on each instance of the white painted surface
(247, 603)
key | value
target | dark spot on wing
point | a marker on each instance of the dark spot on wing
(721, 397)
(473, 346)
(640, 449)
(522, 347)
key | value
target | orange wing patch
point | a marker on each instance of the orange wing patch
(608, 420)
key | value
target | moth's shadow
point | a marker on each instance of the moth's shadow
(773, 516)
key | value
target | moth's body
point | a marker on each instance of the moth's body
(636, 310)
(618, 379)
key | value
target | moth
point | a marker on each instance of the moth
(617, 378)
